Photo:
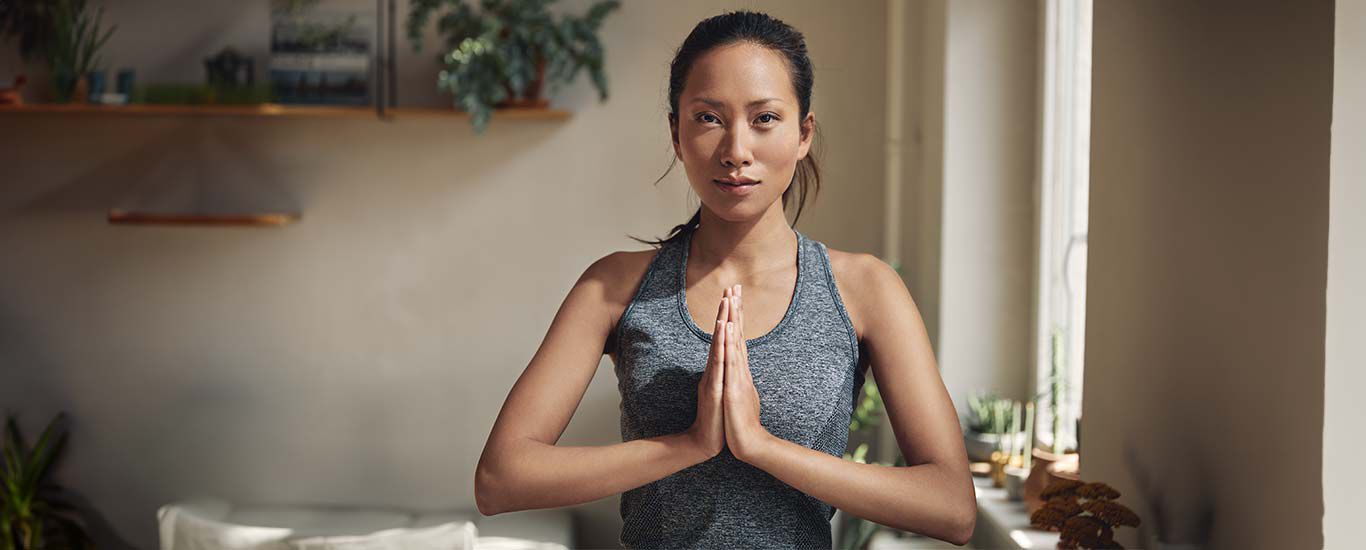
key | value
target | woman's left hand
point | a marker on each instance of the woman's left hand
(744, 434)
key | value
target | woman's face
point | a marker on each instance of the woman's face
(738, 119)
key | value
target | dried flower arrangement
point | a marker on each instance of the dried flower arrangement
(1085, 513)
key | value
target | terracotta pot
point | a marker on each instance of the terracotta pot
(1043, 472)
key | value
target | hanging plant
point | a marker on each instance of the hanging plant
(506, 53)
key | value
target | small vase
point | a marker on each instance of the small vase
(80, 92)
(1015, 480)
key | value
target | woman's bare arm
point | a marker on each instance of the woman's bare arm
(521, 467)
(934, 494)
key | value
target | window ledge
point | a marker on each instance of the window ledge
(1002, 523)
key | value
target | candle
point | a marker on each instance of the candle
(1014, 427)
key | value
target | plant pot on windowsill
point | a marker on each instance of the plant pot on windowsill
(980, 445)
(1046, 468)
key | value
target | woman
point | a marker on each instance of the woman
(740, 345)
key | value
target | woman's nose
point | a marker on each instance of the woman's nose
(735, 150)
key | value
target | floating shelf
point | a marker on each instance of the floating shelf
(274, 110)
(123, 217)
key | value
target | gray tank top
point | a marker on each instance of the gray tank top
(806, 373)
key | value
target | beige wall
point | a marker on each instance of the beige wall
(1205, 316)
(362, 354)
(1344, 491)
(990, 102)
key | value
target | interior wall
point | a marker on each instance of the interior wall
(361, 355)
(1344, 412)
(990, 100)
(1209, 215)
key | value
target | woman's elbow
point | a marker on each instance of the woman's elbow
(966, 522)
(486, 493)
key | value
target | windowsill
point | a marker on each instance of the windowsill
(1002, 523)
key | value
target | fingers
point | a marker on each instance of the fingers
(731, 374)
(718, 343)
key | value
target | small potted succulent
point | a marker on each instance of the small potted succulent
(987, 426)
(506, 52)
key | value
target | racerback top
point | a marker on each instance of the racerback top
(806, 373)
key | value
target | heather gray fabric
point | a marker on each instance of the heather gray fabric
(805, 371)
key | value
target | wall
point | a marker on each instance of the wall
(1344, 412)
(361, 355)
(1208, 249)
(989, 126)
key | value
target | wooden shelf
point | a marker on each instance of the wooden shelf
(123, 217)
(272, 110)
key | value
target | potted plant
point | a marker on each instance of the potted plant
(74, 47)
(987, 424)
(34, 513)
(506, 52)
(1085, 514)
(1044, 470)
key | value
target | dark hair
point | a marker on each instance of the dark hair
(762, 30)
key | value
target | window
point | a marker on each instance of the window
(1063, 184)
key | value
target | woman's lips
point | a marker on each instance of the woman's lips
(735, 189)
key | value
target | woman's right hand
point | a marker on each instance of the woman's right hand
(707, 432)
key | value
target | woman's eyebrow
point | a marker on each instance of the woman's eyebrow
(719, 104)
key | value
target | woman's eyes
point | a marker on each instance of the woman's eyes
(770, 116)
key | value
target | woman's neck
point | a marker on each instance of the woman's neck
(746, 247)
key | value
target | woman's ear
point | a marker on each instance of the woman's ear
(673, 134)
(808, 131)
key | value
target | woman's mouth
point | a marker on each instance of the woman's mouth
(736, 188)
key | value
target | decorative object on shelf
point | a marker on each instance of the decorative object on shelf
(35, 512)
(503, 55)
(14, 95)
(320, 57)
(1086, 514)
(229, 68)
(986, 426)
(74, 48)
(96, 80)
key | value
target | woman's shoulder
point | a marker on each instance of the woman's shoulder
(620, 273)
(860, 278)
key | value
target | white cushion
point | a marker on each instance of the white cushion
(214, 524)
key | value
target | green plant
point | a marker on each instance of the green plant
(33, 514)
(1057, 384)
(30, 23)
(203, 94)
(508, 49)
(989, 414)
(75, 43)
